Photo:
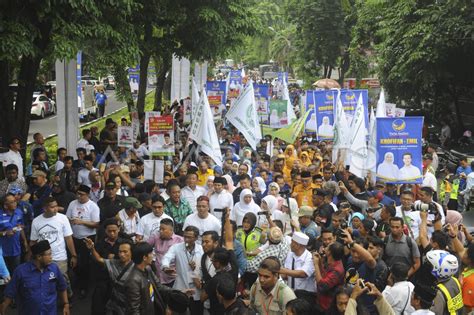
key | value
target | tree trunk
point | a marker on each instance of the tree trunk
(160, 82)
(345, 64)
(123, 91)
(329, 72)
(144, 62)
(460, 126)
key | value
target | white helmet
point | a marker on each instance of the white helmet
(444, 264)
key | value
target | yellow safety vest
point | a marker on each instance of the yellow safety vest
(249, 241)
(452, 188)
(454, 303)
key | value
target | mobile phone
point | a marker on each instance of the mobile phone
(362, 284)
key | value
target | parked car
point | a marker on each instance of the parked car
(42, 105)
(109, 82)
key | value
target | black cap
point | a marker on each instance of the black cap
(109, 121)
(305, 174)
(40, 247)
(220, 180)
(319, 192)
(84, 188)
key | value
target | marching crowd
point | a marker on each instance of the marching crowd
(277, 230)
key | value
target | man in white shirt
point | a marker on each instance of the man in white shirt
(426, 197)
(13, 156)
(84, 215)
(56, 229)
(150, 223)
(220, 198)
(84, 141)
(411, 217)
(409, 171)
(187, 257)
(202, 219)
(83, 175)
(429, 179)
(299, 267)
(191, 191)
(399, 294)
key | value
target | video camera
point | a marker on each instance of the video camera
(285, 194)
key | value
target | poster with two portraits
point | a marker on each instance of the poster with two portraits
(399, 150)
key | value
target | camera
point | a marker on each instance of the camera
(285, 194)
(262, 213)
(431, 207)
(218, 210)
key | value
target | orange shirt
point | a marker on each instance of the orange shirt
(304, 196)
(468, 287)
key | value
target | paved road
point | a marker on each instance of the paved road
(48, 125)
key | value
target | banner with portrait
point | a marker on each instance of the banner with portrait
(261, 92)
(278, 113)
(310, 123)
(399, 150)
(161, 135)
(235, 83)
(349, 100)
(324, 111)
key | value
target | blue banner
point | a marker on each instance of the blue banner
(349, 100)
(134, 79)
(79, 78)
(216, 88)
(282, 75)
(262, 95)
(310, 124)
(399, 156)
(324, 102)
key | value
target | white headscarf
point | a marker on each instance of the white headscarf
(230, 183)
(241, 208)
(261, 184)
(271, 202)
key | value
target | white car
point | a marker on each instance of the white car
(42, 106)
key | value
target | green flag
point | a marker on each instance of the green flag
(288, 133)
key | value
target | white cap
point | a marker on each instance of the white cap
(300, 238)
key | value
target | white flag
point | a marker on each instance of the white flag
(381, 111)
(358, 149)
(203, 130)
(195, 98)
(243, 115)
(372, 147)
(289, 107)
(227, 86)
(341, 129)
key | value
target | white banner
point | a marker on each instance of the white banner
(358, 150)
(180, 71)
(243, 115)
(289, 108)
(200, 74)
(125, 136)
(203, 130)
(341, 129)
(154, 170)
(147, 118)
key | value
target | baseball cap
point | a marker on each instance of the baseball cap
(38, 173)
(305, 211)
(132, 202)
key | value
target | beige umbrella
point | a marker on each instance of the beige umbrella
(327, 84)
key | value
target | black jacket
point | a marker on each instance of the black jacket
(137, 292)
(238, 308)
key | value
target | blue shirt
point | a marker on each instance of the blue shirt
(34, 291)
(3, 267)
(10, 244)
(462, 182)
(100, 98)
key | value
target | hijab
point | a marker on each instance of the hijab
(271, 202)
(261, 184)
(230, 183)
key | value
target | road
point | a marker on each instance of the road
(48, 125)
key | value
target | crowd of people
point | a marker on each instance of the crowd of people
(277, 230)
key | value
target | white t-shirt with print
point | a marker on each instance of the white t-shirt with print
(88, 211)
(53, 229)
(149, 224)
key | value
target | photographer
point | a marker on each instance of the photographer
(426, 201)
(408, 214)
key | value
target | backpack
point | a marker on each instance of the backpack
(409, 243)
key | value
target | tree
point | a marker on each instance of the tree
(35, 30)
(423, 50)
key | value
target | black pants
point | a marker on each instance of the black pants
(12, 262)
(83, 262)
(100, 297)
(101, 110)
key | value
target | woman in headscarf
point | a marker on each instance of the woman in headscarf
(284, 215)
(304, 158)
(249, 234)
(245, 205)
(387, 169)
(230, 183)
(274, 190)
(209, 187)
(259, 187)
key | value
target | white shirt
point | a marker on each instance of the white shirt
(83, 176)
(130, 224)
(431, 217)
(429, 180)
(409, 172)
(82, 143)
(12, 157)
(399, 297)
(423, 312)
(53, 229)
(191, 196)
(210, 223)
(220, 200)
(149, 224)
(165, 195)
(141, 151)
(182, 257)
(305, 263)
(59, 165)
(88, 211)
(412, 219)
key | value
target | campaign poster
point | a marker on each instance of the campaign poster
(134, 79)
(390, 109)
(310, 124)
(216, 107)
(399, 156)
(283, 76)
(349, 100)
(125, 136)
(399, 112)
(278, 115)
(79, 79)
(187, 110)
(147, 118)
(135, 124)
(216, 88)
(161, 136)
(235, 83)
(261, 92)
(324, 102)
